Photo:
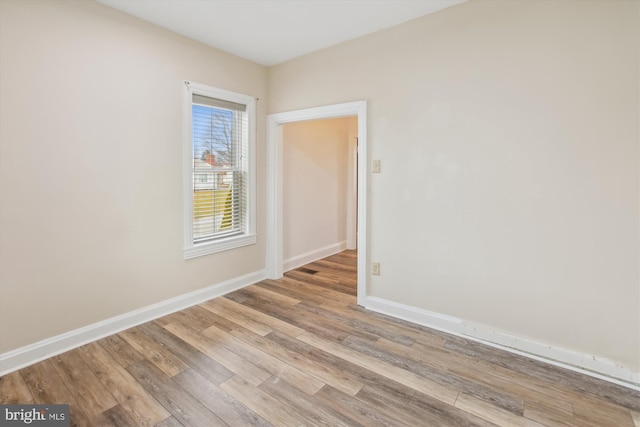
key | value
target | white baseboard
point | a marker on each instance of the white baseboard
(587, 364)
(311, 256)
(30, 354)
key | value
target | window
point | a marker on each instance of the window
(219, 147)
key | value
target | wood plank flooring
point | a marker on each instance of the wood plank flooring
(299, 351)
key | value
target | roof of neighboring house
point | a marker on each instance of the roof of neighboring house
(201, 165)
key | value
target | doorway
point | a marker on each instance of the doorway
(275, 122)
(318, 193)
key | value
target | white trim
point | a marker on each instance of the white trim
(315, 255)
(274, 256)
(27, 355)
(593, 366)
(219, 245)
(431, 319)
(248, 235)
(352, 192)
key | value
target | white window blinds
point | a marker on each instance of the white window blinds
(219, 147)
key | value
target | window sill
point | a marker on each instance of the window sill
(219, 245)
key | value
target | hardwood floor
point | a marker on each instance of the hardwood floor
(298, 351)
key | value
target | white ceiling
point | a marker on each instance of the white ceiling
(273, 31)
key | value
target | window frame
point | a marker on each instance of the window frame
(248, 235)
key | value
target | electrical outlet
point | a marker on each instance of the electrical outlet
(375, 268)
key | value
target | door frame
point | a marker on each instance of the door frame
(352, 192)
(274, 254)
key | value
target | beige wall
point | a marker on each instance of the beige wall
(508, 134)
(91, 166)
(315, 183)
